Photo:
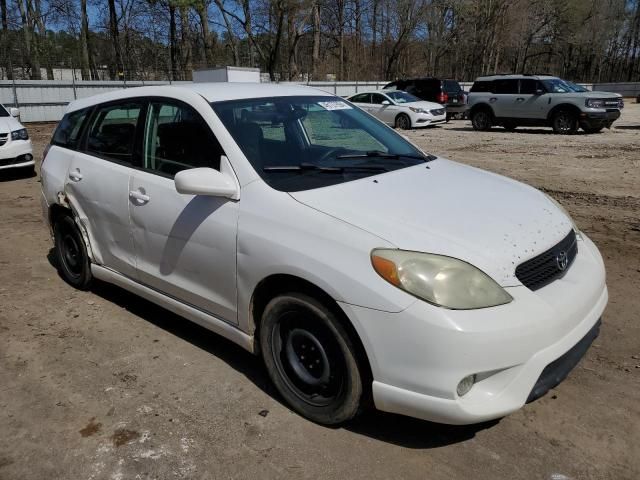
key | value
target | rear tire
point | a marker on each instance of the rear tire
(310, 359)
(403, 122)
(564, 122)
(71, 253)
(481, 120)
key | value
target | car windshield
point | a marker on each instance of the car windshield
(399, 96)
(303, 142)
(3, 112)
(556, 85)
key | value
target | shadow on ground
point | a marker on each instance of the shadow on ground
(12, 174)
(385, 427)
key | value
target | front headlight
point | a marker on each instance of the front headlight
(594, 103)
(417, 110)
(438, 279)
(564, 210)
(20, 134)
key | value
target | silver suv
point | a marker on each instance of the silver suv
(540, 100)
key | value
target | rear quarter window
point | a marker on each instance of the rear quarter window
(69, 129)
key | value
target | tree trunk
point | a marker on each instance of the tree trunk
(207, 40)
(118, 73)
(315, 59)
(4, 41)
(233, 42)
(185, 43)
(85, 62)
(172, 42)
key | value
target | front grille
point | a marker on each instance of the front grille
(550, 265)
(3, 138)
(438, 111)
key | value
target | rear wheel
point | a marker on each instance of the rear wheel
(481, 120)
(310, 359)
(564, 122)
(403, 122)
(71, 253)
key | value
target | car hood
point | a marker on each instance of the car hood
(595, 94)
(9, 124)
(447, 208)
(422, 104)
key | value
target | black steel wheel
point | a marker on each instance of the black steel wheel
(564, 122)
(481, 120)
(310, 359)
(403, 122)
(71, 253)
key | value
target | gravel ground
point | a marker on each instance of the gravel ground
(101, 384)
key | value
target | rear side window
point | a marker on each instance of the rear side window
(361, 98)
(177, 138)
(69, 129)
(112, 131)
(482, 86)
(506, 86)
(451, 86)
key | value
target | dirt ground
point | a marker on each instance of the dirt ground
(103, 385)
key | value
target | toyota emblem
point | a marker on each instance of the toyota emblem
(562, 260)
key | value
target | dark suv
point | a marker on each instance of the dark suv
(445, 92)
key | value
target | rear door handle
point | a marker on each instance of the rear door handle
(75, 175)
(139, 196)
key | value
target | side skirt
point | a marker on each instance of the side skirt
(201, 318)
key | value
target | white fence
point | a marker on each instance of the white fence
(44, 100)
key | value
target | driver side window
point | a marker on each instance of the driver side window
(177, 138)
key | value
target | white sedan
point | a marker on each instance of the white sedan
(15, 146)
(400, 109)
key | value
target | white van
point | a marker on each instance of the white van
(308, 232)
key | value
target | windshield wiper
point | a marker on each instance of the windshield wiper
(305, 167)
(379, 154)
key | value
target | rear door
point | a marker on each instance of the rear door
(185, 244)
(97, 183)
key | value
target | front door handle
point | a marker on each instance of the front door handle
(75, 175)
(139, 196)
(519, 99)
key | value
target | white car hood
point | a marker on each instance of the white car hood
(447, 208)
(9, 124)
(422, 104)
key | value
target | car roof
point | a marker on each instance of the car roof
(488, 78)
(212, 92)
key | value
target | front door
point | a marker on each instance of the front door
(98, 179)
(533, 102)
(185, 244)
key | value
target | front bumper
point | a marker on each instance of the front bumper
(593, 119)
(15, 154)
(424, 120)
(419, 356)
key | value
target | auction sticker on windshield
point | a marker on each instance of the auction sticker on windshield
(334, 105)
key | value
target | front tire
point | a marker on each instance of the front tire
(71, 254)
(403, 122)
(481, 120)
(564, 122)
(311, 359)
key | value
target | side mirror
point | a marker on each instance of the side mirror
(14, 112)
(386, 102)
(208, 181)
